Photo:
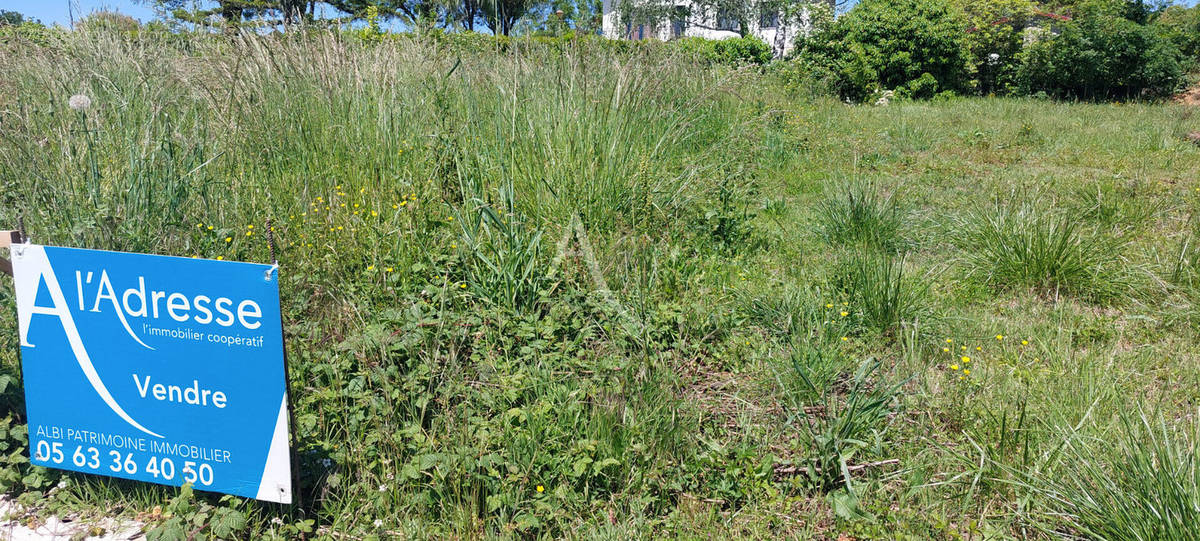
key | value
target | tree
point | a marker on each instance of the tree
(235, 12)
(15, 18)
(1102, 55)
(994, 37)
(501, 16)
(915, 47)
(412, 12)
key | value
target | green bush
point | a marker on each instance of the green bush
(731, 51)
(886, 44)
(994, 38)
(1182, 26)
(1102, 56)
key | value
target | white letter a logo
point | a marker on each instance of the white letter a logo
(30, 268)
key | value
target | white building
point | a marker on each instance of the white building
(689, 21)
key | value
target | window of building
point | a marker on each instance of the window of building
(678, 21)
(768, 17)
(727, 21)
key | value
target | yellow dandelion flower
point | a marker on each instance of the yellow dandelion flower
(945, 350)
(1024, 342)
(210, 228)
(249, 233)
(845, 339)
(404, 203)
(845, 313)
(965, 359)
(964, 348)
(967, 371)
(356, 205)
(949, 341)
(452, 245)
(830, 305)
(999, 337)
(220, 258)
(389, 269)
(978, 348)
(449, 218)
(541, 488)
(228, 239)
(395, 206)
(954, 367)
(462, 286)
(370, 267)
(374, 213)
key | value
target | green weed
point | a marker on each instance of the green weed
(1141, 483)
(844, 422)
(1048, 252)
(883, 298)
(859, 215)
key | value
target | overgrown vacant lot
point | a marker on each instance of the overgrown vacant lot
(779, 315)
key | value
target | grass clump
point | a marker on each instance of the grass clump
(1142, 484)
(882, 298)
(860, 215)
(1046, 251)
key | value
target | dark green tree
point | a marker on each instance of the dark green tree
(501, 16)
(14, 18)
(915, 47)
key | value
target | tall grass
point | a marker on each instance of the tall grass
(1051, 253)
(1142, 484)
(859, 215)
(413, 190)
(883, 298)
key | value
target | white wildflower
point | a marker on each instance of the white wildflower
(993, 58)
(383, 488)
(378, 523)
(277, 521)
(79, 102)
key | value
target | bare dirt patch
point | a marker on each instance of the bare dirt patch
(1190, 96)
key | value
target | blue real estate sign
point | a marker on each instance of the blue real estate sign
(161, 369)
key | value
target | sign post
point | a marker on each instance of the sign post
(162, 369)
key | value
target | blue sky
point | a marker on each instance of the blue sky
(59, 11)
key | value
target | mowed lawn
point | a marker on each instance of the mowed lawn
(780, 315)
